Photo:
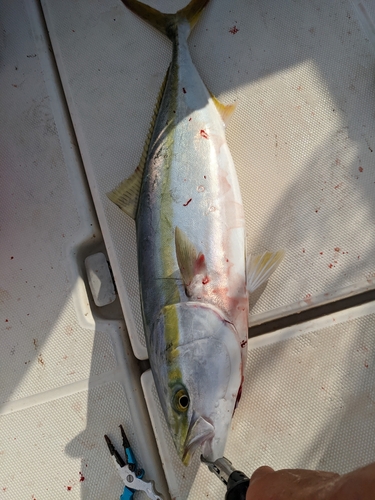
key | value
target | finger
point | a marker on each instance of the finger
(260, 472)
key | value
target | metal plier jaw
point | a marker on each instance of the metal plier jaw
(129, 473)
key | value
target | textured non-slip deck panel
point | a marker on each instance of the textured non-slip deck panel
(302, 136)
(57, 448)
(67, 373)
(308, 402)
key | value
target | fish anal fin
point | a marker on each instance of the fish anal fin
(190, 262)
(225, 110)
(260, 267)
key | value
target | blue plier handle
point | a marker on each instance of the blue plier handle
(130, 474)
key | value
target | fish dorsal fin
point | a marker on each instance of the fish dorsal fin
(225, 110)
(126, 194)
(260, 268)
(189, 260)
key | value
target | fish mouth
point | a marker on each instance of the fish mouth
(201, 432)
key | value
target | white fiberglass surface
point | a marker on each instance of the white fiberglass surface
(67, 374)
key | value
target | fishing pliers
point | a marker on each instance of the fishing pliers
(130, 474)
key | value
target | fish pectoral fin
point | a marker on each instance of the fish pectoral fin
(225, 110)
(126, 194)
(190, 262)
(260, 268)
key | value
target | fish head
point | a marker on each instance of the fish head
(196, 363)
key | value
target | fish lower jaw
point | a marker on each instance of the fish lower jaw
(201, 433)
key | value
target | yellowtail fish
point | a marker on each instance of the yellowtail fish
(186, 201)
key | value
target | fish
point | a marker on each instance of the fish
(191, 246)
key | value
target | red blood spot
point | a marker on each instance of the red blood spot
(308, 296)
(360, 169)
(204, 177)
(205, 280)
(234, 30)
(303, 250)
(366, 364)
(330, 266)
(6, 321)
(337, 249)
(184, 90)
(190, 119)
(243, 343)
(239, 394)
(204, 134)
(82, 478)
(200, 264)
(321, 253)
(187, 203)
(68, 488)
(12, 258)
(338, 185)
(358, 256)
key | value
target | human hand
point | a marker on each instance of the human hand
(300, 484)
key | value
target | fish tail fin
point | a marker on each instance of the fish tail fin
(167, 23)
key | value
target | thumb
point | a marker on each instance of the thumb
(256, 476)
(260, 472)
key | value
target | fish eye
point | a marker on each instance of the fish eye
(181, 400)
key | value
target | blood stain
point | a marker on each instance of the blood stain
(205, 280)
(337, 249)
(360, 169)
(190, 119)
(204, 134)
(82, 478)
(68, 488)
(187, 203)
(320, 253)
(366, 364)
(303, 250)
(12, 258)
(243, 343)
(234, 30)
(330, 266)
